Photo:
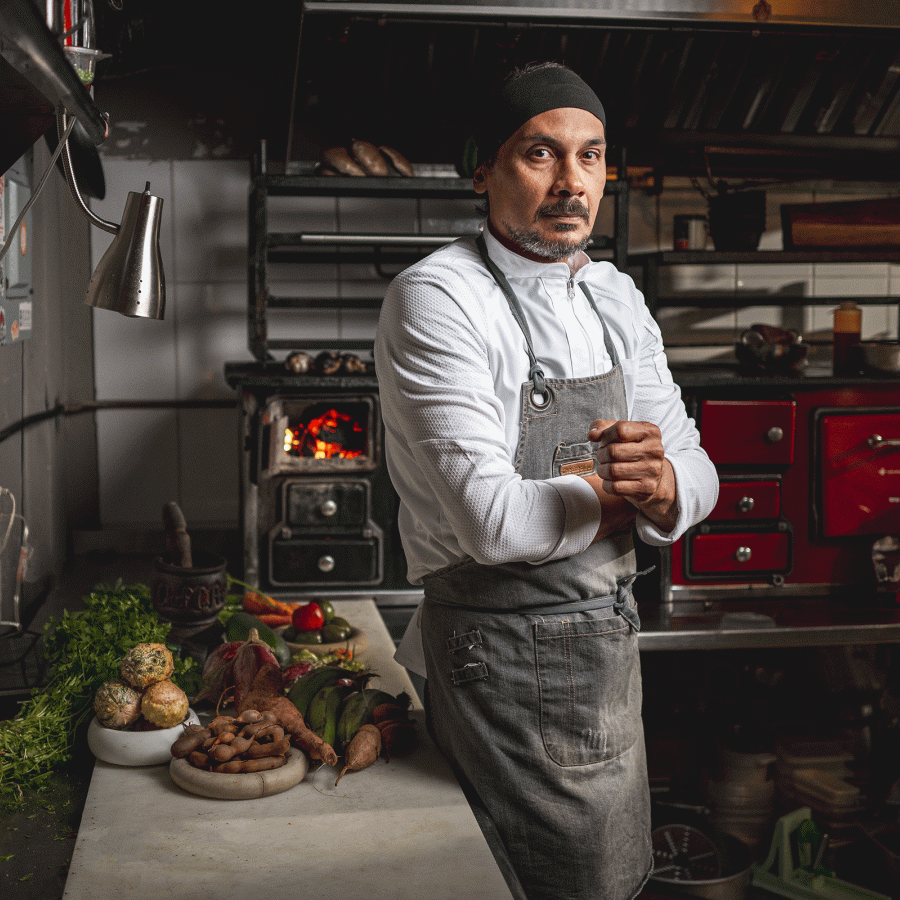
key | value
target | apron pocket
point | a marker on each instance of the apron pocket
(574, 459)
(588, 672)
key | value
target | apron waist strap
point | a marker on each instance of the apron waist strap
(618, 601)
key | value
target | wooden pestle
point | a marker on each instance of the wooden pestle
(178, 541)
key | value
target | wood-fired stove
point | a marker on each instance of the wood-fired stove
(318, 511)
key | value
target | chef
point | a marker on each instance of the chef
(532, 428)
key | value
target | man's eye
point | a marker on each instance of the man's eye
(540, 152)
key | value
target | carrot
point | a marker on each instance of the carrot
(362, 750)
(256, 603)
(273, 620)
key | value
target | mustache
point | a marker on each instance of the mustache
(571, 206)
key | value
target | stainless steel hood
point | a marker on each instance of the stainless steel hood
(825, 13)
(768, 88)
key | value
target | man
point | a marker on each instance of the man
(532, 426)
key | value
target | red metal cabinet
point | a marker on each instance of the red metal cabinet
(747, 500)
(755, 432)
(740, 552)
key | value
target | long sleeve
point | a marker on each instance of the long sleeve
(446, 431)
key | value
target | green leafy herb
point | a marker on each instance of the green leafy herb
(82, 650)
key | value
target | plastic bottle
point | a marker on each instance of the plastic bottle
(847, 328)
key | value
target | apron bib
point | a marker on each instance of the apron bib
(534, 688)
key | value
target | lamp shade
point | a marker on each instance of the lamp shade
(129, 278)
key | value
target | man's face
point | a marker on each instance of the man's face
(545, 184)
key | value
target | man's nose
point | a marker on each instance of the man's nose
(569, 182)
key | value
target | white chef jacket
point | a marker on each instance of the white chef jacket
(451, 360)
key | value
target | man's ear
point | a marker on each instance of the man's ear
(478, 181)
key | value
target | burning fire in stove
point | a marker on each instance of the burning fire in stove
(331, 435)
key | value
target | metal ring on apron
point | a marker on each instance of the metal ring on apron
(546, 393)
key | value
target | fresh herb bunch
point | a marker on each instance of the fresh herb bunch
(82, 650)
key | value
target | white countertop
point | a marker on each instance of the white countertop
(399, 830)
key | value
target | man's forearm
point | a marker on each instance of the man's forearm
(616, 513)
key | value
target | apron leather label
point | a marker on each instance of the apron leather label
(581, 467)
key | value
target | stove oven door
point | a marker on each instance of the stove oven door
(858, 466)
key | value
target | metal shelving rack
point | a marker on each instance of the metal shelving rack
(651, 263)
(387, 252)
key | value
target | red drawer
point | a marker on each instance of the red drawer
(738, 552)
(755, 432)
(747, 500)
(860, 464)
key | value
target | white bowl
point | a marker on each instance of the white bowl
(135, 748)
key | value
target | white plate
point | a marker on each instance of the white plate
(135, 748)
(249, 786)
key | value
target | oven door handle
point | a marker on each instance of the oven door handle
(876, 441)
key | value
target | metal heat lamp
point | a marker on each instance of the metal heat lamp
(129, 278)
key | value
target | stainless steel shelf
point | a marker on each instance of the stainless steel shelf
(787, 622)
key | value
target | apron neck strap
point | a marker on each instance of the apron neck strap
(536, 373)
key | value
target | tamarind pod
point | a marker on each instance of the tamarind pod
(219, 721)
(241, 745)
(222, 753)
(270, 732)
(232, 767)
(210, 742)
(263, 763)
(188, 742)
(251, 730)
(198, 759)
(269, 716)
(248, 716)
(276, 748)
(224, 728)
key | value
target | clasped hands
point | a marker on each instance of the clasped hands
(631, 464)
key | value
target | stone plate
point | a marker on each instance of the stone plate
(357, 642)
(249, 786)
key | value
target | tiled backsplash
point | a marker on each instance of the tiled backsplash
(148, 457)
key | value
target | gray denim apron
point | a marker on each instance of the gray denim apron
(534, 687)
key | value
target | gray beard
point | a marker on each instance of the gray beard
(546, 249)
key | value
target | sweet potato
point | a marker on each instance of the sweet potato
(293, 724)
(362, 750)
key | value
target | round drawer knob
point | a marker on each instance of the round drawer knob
(328, 508)
(326, 563)
(743, 554)
(745, 504)
(774, 434)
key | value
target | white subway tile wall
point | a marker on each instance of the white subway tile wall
(151, 456)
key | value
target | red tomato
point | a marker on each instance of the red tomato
(308, 618)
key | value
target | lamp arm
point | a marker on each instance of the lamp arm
(61, 125)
